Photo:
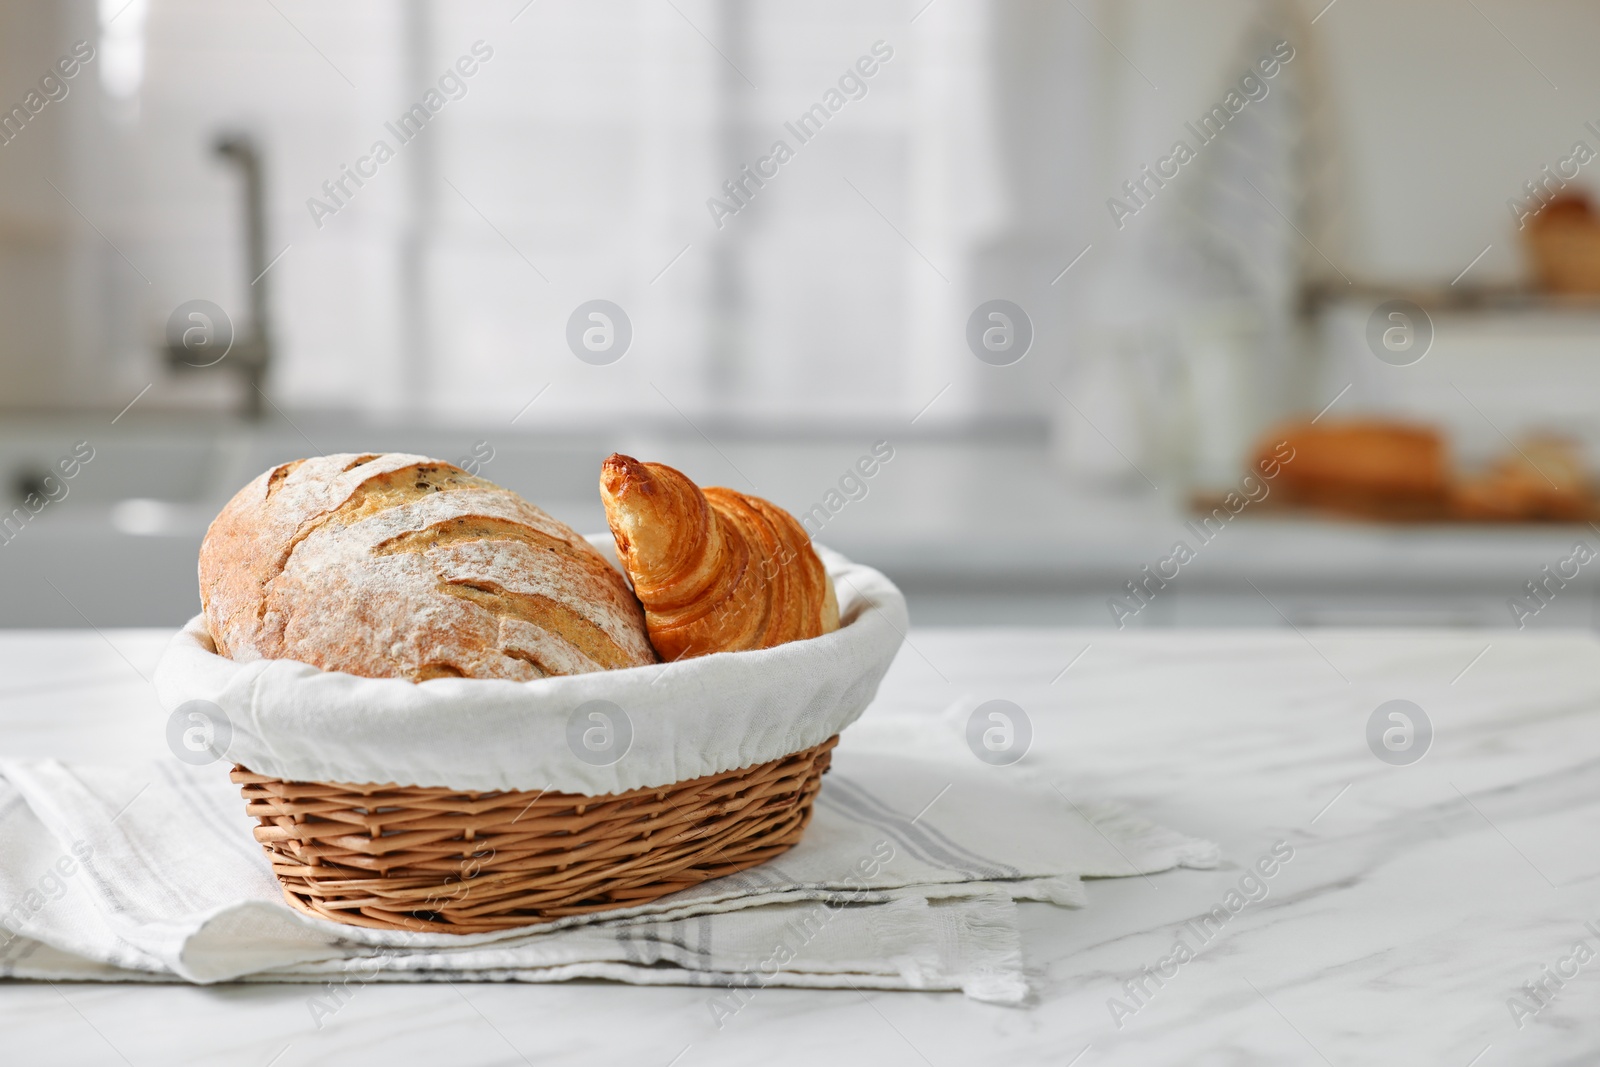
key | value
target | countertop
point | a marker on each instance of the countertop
(1417, 902)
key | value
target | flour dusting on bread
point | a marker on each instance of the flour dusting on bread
(396, 565)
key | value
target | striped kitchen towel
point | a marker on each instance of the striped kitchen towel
(906, 879)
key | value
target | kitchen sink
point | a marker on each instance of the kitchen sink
(176, 469)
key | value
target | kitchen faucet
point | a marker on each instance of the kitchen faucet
(251, 353)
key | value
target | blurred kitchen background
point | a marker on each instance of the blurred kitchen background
(207, 266)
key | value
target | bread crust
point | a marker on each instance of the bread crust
(400, 566)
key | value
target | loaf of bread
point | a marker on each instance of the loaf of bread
(1371, 468)
(717, 570)
(400, 566)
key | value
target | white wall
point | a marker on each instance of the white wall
(39, 233)
(1446, 116)
(1440, 116)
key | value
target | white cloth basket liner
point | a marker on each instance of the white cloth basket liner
(691, 718)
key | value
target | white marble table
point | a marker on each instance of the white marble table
(1418, 900)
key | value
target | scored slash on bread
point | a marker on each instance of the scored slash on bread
(716, 570)
(396, 565)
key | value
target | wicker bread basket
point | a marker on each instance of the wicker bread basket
(441, 860)
(488, 818)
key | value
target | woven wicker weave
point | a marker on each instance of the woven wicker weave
(442, 860)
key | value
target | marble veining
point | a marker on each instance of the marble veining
(1420, 902)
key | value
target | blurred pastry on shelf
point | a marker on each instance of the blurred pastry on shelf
(1563, 241)
(1396, 471)
(1542, 480)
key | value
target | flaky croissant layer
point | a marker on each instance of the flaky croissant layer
(716, 570)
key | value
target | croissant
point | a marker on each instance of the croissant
(716, 570)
